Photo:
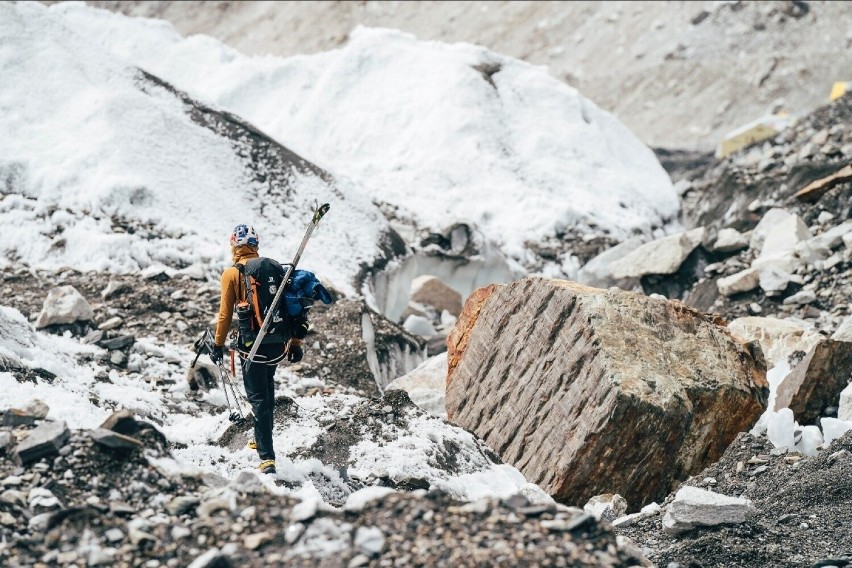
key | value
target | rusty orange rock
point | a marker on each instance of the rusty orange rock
(591, 391)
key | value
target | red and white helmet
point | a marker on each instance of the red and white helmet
(244, 235)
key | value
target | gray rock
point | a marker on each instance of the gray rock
(37, 408)
(305, 510)
(729, 240)
(115, 440)
(213, 558)
(101, 556)
(663, 256)
(114, 535)
(370, 540)
(597, 273)
(256, 540)
(114, 288)
(800, 298)
(294, 532)
(844, 330)
(115, 343)
(607, 506)
(5, 440)
(40, 497)
(742, 281)
(224, 499)
(693, 507)
(64, 305)
(817, 381)
(182, 504)
(17, 417)
(43, 441)
(248, 482)
(122, 421)
(111, 324)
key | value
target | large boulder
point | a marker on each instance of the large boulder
(432, 291)
(662, 256)
(64, 305)
(591, 391)
(597, 272)
(807, 370)
(817, 381)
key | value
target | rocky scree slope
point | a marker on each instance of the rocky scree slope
(105, 498)
(802, 505)
(738, 200)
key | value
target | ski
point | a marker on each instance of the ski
(318, 215)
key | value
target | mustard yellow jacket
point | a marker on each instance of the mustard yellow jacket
(232, 290)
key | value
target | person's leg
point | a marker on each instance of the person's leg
(270, 396)
(255, 381)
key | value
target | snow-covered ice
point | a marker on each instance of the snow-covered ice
(444, 132)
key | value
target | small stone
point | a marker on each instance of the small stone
(180, 532)
(293, 532)
(120, 508)
(358, 560)
(37, 408)
(113, 289)
(182, 505)
(111, 323)
(116, 343)
(370, 540)
(800, 298)
(68, 557)
(12, 481)
(137, 536)
(255, 541)
(754, 308)
(115, 440)
(305, 510)
(64, 305)
(17, 417)
(118, 358)
(114, 535)
(43, 441)
(7, 519)
(758, 471)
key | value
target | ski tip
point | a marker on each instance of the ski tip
(321, 211)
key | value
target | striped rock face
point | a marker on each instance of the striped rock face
(591, 391)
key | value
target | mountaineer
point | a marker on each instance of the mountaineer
(249, 287)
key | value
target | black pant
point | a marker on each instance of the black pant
(260, 389)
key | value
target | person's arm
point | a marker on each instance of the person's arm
(226, 306)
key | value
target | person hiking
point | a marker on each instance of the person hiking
(285, 340)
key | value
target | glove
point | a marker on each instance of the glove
(300, 327)
(295, 351)
(218, 354)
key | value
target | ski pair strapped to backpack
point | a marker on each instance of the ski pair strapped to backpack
(273, 308)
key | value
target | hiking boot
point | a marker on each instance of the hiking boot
(267, 466)
(252, 445)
